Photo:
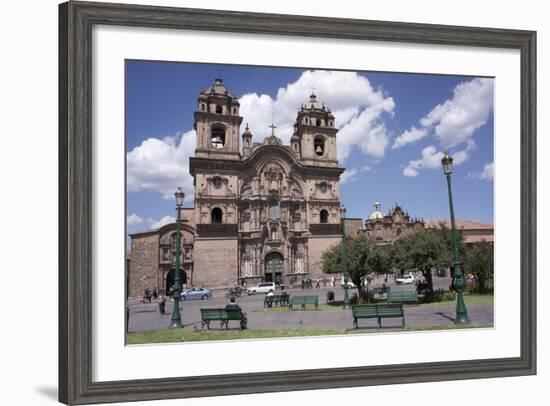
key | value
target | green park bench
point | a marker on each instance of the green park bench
(281, 300)
(377, 311)
(379, 292)
(404, 297)
(302, 301)
(223, 316)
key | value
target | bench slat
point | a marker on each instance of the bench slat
(224, 316)
(377, 311)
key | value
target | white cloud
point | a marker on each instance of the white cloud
(162, 222)
(456, 120)
(357, 107)
(487, 174)
(349, 175)
(133, 220)
(410, 136)
(431, 159)
(162, 165)
(453, 122)
(366, 168)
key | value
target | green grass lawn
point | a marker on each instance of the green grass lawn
(191, 335)
(171, 335)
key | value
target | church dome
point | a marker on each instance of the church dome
(217, 88)
(377, 213)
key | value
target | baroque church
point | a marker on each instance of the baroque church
(384, 229)
(263, 211)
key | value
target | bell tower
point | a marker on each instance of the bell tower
(314, 136)
(217, 123)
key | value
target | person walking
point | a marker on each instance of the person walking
(332, 282)
(161, 300)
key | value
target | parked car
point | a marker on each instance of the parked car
(405, 280)
(264, 287)
(196, 293)
(350, 284)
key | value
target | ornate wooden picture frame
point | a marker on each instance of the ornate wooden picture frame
(76, 19)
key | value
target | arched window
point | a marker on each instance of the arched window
(273, 209)
(319, 145)
(219, 109)
(323, 216)
(216, 216)
(218, 137)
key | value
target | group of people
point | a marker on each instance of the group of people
(149, 295)
(160, 298)
(307, 283)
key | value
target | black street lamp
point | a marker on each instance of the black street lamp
(176, 316)
(461, 311)
(344, 257)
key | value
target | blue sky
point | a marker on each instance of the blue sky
(393, 129)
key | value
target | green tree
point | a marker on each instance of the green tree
(380, 260)
(479, 260)
(424, 250)
(359, 250)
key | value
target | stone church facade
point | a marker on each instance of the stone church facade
(263, 212)
(386, 228)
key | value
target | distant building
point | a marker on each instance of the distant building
(353, 227)
(386, 228)
(473, 232)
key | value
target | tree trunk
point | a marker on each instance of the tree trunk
(427, 273)
(362, 293)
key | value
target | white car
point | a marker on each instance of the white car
(264, 287)
(406, 280)
(350, 284)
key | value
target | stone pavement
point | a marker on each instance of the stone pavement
(147, 317)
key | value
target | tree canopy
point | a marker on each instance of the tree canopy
(479, 260)
(362, 257)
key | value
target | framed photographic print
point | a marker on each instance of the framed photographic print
(262, 202)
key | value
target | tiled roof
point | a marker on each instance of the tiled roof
(460, 224)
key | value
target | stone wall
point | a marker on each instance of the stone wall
(215, 262)
(316, 247)
(354, 227)
(144, 264)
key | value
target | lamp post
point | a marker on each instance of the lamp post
(344, 257)
(461, 311)
(176, 316)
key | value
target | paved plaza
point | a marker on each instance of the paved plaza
(146, 316)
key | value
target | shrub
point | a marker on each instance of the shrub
(439, 296)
